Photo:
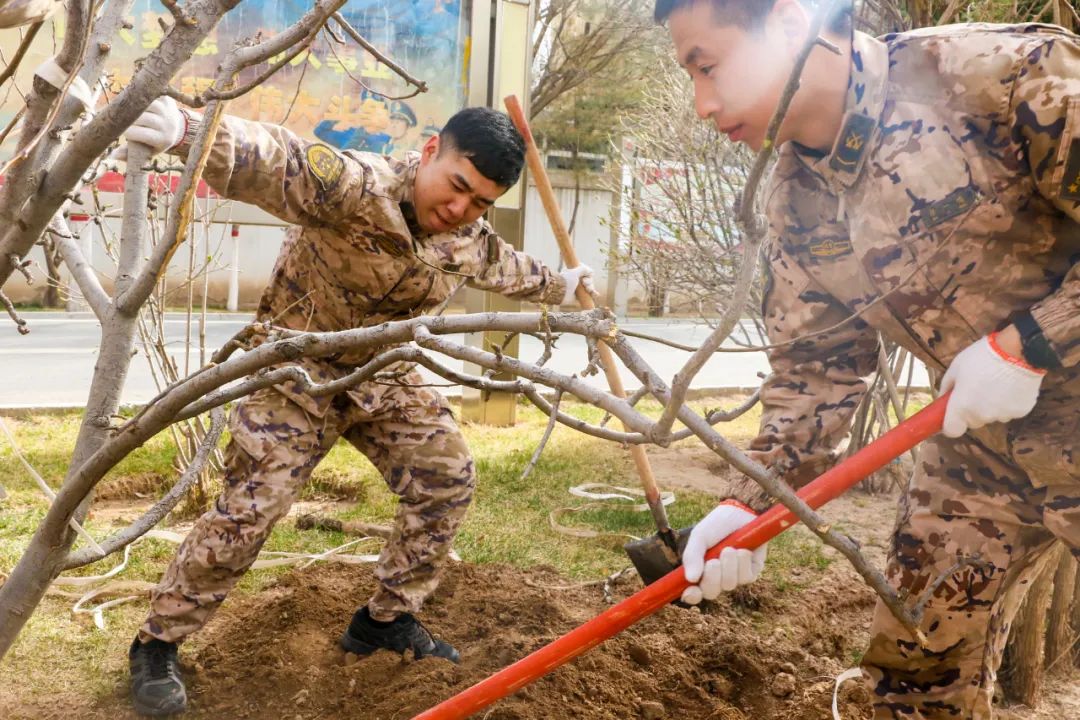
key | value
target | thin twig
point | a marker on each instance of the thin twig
(973, 561)
(162, 507)
(24, 45)
(299, 85)
(46, 126)
(552, 419)
(393, 66)
(365, 86)
(44, 486)
(22, 266)
(12, 125)
(20, 324)
(753, 226)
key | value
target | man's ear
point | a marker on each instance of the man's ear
(430, 149)
(790, 19)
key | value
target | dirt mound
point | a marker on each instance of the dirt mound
(272, 655)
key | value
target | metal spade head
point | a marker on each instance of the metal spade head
(654, 557)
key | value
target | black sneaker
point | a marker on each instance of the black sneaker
(156, 686)
(364, 637)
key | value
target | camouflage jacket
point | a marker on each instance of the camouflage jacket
(950, 201)
(355, 257)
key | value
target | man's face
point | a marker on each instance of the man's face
(397, 128)
(449, 191)
(738, 74)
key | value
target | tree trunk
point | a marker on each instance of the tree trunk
(1022, 668)
(41, 563)
(1059, 634)
(53, 282)
(1074, 618)
(44, 557)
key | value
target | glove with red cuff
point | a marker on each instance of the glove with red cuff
(988, 385)
(734, 567)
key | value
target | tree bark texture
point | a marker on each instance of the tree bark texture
(1060, 636)
(1021, 674)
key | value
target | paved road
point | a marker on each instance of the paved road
(52, 366)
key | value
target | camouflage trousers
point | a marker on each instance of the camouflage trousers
(408, 433)
(965, 498)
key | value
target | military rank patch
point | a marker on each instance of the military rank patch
(957, 202)
(1070, 183)
(830, 248)
(325, 164)
(852, 143)
(387, 245)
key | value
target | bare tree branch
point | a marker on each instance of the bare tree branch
(360, 40)
(552, 418)
(162, 507)
(28, 211)
(20, 324)
(777, 489)
(88, 283)
(24, 45)
(70, 60)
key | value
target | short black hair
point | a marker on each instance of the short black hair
(489, 140)
(751, 14)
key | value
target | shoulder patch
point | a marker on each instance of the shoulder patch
(955, 203)
(325, 164)
(1070, 182)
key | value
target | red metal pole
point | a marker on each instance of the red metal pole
(768, 525)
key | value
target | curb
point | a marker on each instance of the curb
(17, 411)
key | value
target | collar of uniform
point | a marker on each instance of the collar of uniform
(862, 110)
(408, 177)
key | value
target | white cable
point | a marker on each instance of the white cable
(600, 494)
(269, 558)
(840, 680)
(589, 491)
(48, 490)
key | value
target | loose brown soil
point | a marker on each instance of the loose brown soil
(762, 653)
(272, 655)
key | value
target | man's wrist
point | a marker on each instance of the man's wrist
(1035, 347)
(192, 124)
(739, 504)
(1006, 345)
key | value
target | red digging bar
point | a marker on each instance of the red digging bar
(775, 520)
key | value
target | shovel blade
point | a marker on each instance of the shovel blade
(653, 558)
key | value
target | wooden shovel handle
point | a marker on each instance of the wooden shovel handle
(566, 247)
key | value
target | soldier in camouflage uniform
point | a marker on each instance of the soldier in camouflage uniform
(927, 189)
(375, 239)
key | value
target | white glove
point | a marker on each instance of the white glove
(583, 275)
(987, 386)
(161, 127)
(734, 567)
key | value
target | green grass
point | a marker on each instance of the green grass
(508, 523)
